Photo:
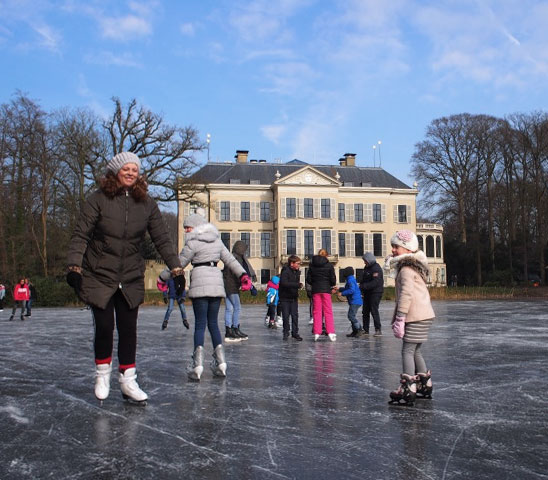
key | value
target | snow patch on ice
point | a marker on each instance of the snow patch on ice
(15, 414)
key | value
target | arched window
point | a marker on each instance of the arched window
(438, 247)
(421, 246)
(429, 246)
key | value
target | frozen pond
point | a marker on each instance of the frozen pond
(300, 410)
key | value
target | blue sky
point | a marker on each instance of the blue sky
(307, 79)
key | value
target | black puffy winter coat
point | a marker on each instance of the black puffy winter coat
(289, 283)
(106, 244)
(321, 275)
(372, 280)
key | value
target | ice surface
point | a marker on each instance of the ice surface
(300, 410)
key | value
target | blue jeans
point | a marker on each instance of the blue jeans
(206, 310)
(232, 310)
(352, 311)
(170, 304)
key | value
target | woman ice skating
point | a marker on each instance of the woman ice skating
(413, 315)
(106, 268)
(203, 249)
(232, 290)
(21, 296)
(321, 276)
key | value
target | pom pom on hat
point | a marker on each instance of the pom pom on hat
(119, 160)
(406, 239)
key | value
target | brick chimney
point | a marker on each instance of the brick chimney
(241, 156)
(350, 159)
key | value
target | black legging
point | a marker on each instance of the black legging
(126, 324)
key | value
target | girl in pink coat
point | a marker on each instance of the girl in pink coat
(413, 315)
(21, 295)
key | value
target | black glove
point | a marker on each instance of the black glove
(74, 279)
(185, 323)
(180, 284)
(253, 291)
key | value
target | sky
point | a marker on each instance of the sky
(284, 79)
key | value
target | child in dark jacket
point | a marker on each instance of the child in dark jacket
(289, 295)
(272, 298)
(372, 287)
(352, 292)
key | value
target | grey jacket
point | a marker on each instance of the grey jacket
(106, 243)
(203, 245)
(232, 281)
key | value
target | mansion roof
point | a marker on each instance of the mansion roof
(263, 173)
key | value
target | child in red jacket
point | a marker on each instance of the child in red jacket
(21, 295)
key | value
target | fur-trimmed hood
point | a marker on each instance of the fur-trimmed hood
(207, 232)
(417, 261)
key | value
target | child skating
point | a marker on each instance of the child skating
(352, 292)
(413, 316)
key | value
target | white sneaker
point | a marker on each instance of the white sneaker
(311, 321)
(316, 337)
(279, 322)
(332, 337)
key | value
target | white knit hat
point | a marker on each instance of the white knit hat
(195, 219)
(119, 160)
(406, 239)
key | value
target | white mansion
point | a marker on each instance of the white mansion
(280, 209)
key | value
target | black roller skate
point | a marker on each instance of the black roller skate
(406, 394)
(424, 385)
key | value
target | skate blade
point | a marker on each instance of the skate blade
(136, 403)
(397, 403)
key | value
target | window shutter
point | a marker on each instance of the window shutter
(272, 211)
(334, 241)
(186, 209)
(384, 245)
(408, 213)
(217, 211)
(233, 238)
(255, 209)
(255, 242)
(349, 212)
(299, 238)
(300, 207)
(284, 243)
(368, 212)
(383, 213)
(351, 247)
(273, 244)
(284, 208)
(317, 208)
(317, 240)
(333, 205)
(368, 242)
(395, 214)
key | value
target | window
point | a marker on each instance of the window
(326, 240)
(429, 246)
(377, 244)
(290, 208)
(265, 244)
(291, 242)
(402, 213)
(359, 275)
(308, 208)
(245, 212)
(358, 212)
(265, 211)
(225, 238)
(358, 242)
(342, 278)
(438, 247)
(341, 212)
(342, 245)
(265, 275)
(326, 208)
(225, 211)
(421, 245)
(245, 237)
(377, 212)
(308, 243)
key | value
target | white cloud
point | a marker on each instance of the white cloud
(289, 78)
(49, 37)
(108, 58)
(273, 132)
(125, 28)
(187, 29)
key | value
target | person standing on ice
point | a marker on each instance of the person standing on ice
(106, 268)
(21, 296)
(413, 315)
(203, 249)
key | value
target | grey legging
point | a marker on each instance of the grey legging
(412, 358)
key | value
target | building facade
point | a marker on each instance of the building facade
(297, 208)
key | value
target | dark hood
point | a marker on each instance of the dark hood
(239, 248)
(319, 261)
